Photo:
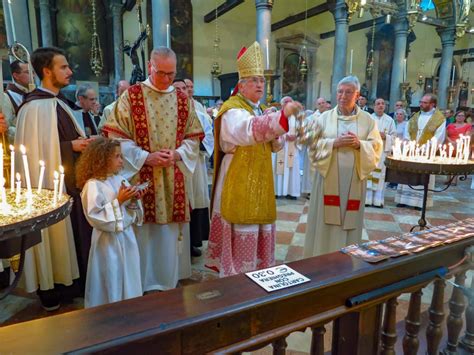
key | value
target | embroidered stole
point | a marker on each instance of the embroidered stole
(436, 120)
(142, 139)
(332, 200)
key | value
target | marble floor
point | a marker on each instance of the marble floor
(456, 203)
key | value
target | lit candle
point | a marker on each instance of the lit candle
(41, 176)
(12, 169)
(18, 188)
(268, 53)
(61, 181)
(168, 36)
(27, 171)
(451, 151)
(55, 187)
(452, 76)
(350, 63)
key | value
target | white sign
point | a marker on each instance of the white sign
(277, 278)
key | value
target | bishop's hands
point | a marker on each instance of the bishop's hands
(3, 123)
(348, 139)
(163, 158)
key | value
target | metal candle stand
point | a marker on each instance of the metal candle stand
(24, 232)
(415, 173)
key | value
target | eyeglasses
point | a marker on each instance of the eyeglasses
(162, 74)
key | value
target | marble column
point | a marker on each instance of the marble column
(264, 27)
(448, 39)
(45, 21)
(339, 12)
(18, 29)
(160, 10)
(399, 53)
(116, 7)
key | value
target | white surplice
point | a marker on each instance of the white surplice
(54, 259)
(322, 238)
(376, 180)
(113, 271)
(406, 195)
(287, 178)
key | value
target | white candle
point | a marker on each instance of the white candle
(41, 176)
(452, 76)
(12, 169)
(168, 36)
(61, 181)
(18, 188)
(350, 63)
(267, 49)
(451, 151)
(27, 171)
(55, 187)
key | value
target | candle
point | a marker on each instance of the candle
(350, 63)
(27, 171)
(267, 53)
(451, 151)
(168, 36)
(41, 175)
(12, 169)
(452, 76)
(18, 188)
(404, 70)
(55, 187)
(61, 181)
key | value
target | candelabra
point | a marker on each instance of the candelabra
(403, 91)
(268, 74)
(451, 93)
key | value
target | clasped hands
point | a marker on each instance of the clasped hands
(163, 158)
(348, 139)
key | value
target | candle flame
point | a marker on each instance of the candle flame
(18, 177)
(12, 148)
(56, 174)
(22, 149)
(61, 169)
(41, 163)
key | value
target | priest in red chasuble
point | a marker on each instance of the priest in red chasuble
(354, 146)
(242, 236)
(160, 134)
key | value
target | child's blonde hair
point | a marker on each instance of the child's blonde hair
(94, 160)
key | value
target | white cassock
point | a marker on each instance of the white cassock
(113, 271)
(376, 180)
(308, 171)
(405, 195)
(286, 165)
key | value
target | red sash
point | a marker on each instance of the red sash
(142, 139)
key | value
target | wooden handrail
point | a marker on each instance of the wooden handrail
(215, 314)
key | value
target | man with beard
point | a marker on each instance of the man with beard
(46, 126)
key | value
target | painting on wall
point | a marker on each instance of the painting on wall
(384, 43)
(181, 13)
(74, 31)
(292, 83)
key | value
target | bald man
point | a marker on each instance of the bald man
(122, 86)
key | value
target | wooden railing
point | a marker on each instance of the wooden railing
(233, 314)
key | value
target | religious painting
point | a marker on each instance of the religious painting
(293, 84)
(181, 14)
(74, 31)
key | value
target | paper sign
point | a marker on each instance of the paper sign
(277, 278)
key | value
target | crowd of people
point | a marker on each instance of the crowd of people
(138, 173)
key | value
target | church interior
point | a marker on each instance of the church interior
(391, 55)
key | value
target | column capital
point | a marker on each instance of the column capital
(339, 12)
(264, 4)
(401, 25)
(447, 35)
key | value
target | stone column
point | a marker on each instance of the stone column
(264, 26)
(160, 18)
(45, 20)
(18, 29)
(399, 52)
(116, 8)
(448, 39)
(340, 45)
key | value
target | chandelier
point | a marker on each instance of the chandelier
(216, 67)
(96, 59)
